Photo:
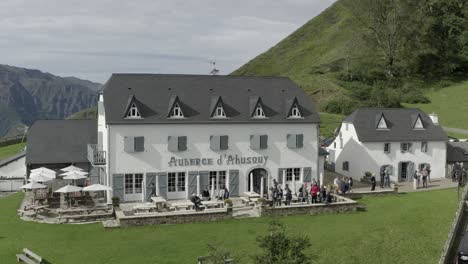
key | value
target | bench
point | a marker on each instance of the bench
(29, 257)
(245, 199)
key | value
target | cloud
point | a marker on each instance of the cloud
(92, 38)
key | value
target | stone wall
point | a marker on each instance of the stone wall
(342, 205)
(172, 217)
(360, 194)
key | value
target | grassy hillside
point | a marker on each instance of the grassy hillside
(11, 150)
(392, 230)
(89, 113)
(329, 122)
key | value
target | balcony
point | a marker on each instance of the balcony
(96, 155)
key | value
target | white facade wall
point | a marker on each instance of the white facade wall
(156, 156)
(370, 156)
(14, 169)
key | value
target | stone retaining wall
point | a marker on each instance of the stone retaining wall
(171, 217)
(360, 194)
(342, 205)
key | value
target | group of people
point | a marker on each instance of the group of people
(424, 175)
(312, 194)
(343, 185)
(222, 194)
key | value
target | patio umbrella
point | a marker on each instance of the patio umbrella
(40, 178)
(43, 169)
(33, 186)
(74, 172)
(48, 173)
(69, 189)
(71, 168)
(74, 175)
(96, 188)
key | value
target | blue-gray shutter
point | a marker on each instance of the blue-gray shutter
(234, 182)
(192, 182)
(224, 142)
(263, 142)
(410, 147)
(215, 143)
(280, 176)
(299, 140)
(409, 171)
(129, 144)
(150, 186)
(255, 142)
(139, 144)
(162, 182)
(204, 180)
(118, 186)
(399, 171)
(172, 144)
(182, 143)
(307, 174)
(291, 141)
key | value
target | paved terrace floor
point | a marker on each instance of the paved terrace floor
(408, 186)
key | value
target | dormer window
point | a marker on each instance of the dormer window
(382, 123)
(259, 113)
(219, 112)
(133, 112)
(177, 112)
(418, 124)
(295, 112)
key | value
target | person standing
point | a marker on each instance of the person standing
(313, 193)
(336, 182)
(350, 184)
(280, 195)
(305, 193)
(288, 195)
(424, 174)
(387, 177)
(373, 182)
(415, 180)
(382, 177)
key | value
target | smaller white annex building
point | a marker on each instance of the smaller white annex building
(400, 139)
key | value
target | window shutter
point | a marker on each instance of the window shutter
(172, 144)
(224, 142)
(129, 144)
(204, 180)
(215, 143)
(162, 182)
(410, 147)
(299, 140)
(280, 176)
(255, 142)
(150, 186)
(234, 182)
(291, 141)
(182, 143)
(139, 144)
(263, 142)
(307, 174)
(118, 186)
(192, 182)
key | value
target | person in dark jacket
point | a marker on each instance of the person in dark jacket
(206, 194)
(373, 182)
(323, 194)
(382, 177)
(196, 202)
(288, 195)
(226, 193)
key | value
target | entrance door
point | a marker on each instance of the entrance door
(257, 175)
(404, 171)
(133, 187)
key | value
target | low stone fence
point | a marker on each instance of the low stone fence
(341, 205)
(360, 194)
(176, 217)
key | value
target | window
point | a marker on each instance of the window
(386, 147)
(418, 124)
(346, 165)
(293, 172)
(346, 126)
(176, 112)
(295, 140)
(133, 112)
(423, 146)
(176, 182)
(133, 183)
(334, 145)
(219, 112)
(219, 142)
(258, 142)
(222, 179)
(259, 113)
(177, 143)
(405, 147)
(212, 179)
(134, 144)
(295, 112)
(219, 178)
(382, 124)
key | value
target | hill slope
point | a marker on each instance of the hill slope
(27, 95)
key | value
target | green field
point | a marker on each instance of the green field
(328, 124)
(11, 150)
(407, 228)
(450, 103)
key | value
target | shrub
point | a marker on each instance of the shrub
(228, 202)
(415, 96)
(341, 105)
(368, 174)
(115, 200)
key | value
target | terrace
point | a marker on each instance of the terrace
(96, 155)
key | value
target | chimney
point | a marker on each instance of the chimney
(434, 118)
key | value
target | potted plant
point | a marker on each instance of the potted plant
(261, 201)
(395, 187)
(228, 203)
(115, 201)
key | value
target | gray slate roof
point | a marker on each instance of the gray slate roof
(155, 94)
(457, 152)
(12, 158)
(400, 122)
(60, 141)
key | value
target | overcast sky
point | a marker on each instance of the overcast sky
(91, 39)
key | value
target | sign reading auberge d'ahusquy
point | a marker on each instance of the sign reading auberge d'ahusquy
(223, 159)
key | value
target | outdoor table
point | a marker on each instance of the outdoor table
(182, 204)
(159, 201)
(252, 195)
(144, 207)
(213, 203)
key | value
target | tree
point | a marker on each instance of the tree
(281, 248)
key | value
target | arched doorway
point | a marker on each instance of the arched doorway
(257, 175)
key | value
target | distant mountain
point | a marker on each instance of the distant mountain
(28, 95)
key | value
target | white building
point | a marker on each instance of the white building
(174, 135)
(403, 140)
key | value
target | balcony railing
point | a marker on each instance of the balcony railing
(96, 155)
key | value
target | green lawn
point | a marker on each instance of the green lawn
(407, 228)
(450, 103)
(11, 150)
(329, 122)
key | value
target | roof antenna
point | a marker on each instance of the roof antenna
(214, 71)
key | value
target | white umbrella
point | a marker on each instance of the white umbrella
(96, 188)
(33, 185)
(40, 178)
(44, 172)
(43, 169)
(72, 168)
(74, 175)
(69, 189)
(74, 172)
